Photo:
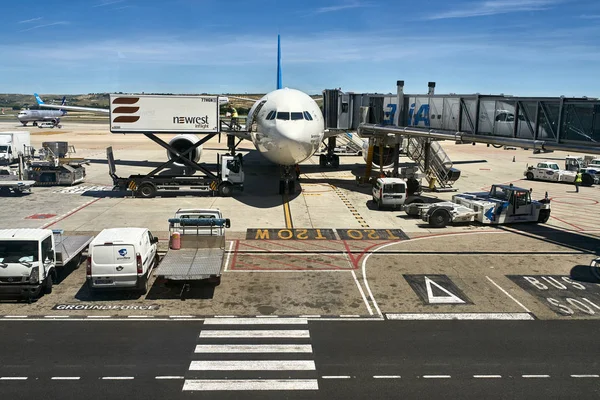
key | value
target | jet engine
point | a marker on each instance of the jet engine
(388, 155)
(181, 143)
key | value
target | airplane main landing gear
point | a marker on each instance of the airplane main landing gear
(287, 183)
(329, 160)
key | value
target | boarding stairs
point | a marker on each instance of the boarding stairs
(440, 172)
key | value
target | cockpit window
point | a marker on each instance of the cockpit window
(296, 116)
(271, 115)
(283, 115)
(307, 116)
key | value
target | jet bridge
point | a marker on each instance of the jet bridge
(538, 123)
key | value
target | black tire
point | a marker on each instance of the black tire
(146, 191)
(145, 285)
(335, 163)
(48, 282)
(587, 180)
(544, 216)
(225, 189)
(439, 219)
(529, 176)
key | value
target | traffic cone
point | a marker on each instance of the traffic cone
(513, 158)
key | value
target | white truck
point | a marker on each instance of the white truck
(396, 192)
(503, 204)
(201, 249)
(10, 182)
(13, 143)
(29, 259)
(550, 171)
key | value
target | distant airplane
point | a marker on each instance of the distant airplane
(35, 116)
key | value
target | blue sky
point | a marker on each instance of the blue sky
(519, 47)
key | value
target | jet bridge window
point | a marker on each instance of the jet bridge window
(271, 115)
(283, 115)
(307, 116)
(297, 116)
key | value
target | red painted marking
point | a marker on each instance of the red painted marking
(295, 267)
(71, 213)
(485, 169)
(41, 216)
(295, 248)
(565, 222)
(594, 202)
(235, 252)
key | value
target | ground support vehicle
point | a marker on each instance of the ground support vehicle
(121, 258)
(396, 192)
(10, 182)
(29, 259)
(550, 171)
(229, 177)
(201, 249)
(53, 165)
(588, 166)
(503, 204)
(13, 143)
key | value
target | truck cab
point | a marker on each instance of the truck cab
(27, 262)
(392, 193)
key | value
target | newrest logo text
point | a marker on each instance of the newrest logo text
(200, 122)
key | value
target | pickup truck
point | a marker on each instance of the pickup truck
(201, 249)
(29, 259)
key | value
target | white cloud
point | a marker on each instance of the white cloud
(340, 7)
(493, 7)
(108, 3)
(44, 26)
(590, 16)
(25, 21)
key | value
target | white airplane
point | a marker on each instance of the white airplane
(35, 116)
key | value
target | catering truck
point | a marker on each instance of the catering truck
(29, 259)
(13, 143)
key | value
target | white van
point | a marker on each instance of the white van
(121, 258)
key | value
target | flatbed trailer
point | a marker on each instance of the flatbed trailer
(69, 247)
(16, 186)
(201, 253)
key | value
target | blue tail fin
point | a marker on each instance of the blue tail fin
(38, 98)
(64, 101)
(279, 83)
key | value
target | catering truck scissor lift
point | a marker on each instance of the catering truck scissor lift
(229, 177)
(197, 247)
(503, 204)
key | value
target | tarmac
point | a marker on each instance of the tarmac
(325, 252)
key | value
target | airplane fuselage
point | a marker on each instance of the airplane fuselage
(290, 126)
(26, 116)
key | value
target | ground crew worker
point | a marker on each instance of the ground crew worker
(577, 182)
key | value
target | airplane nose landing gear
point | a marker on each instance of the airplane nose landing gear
(287, 182)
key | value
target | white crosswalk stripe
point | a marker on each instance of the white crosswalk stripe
(79, 189)
(242, 354)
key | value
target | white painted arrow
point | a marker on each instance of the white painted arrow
(451, 298)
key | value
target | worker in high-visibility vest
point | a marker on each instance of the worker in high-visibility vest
(577, 182)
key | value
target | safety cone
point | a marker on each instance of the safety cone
(513, 158)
